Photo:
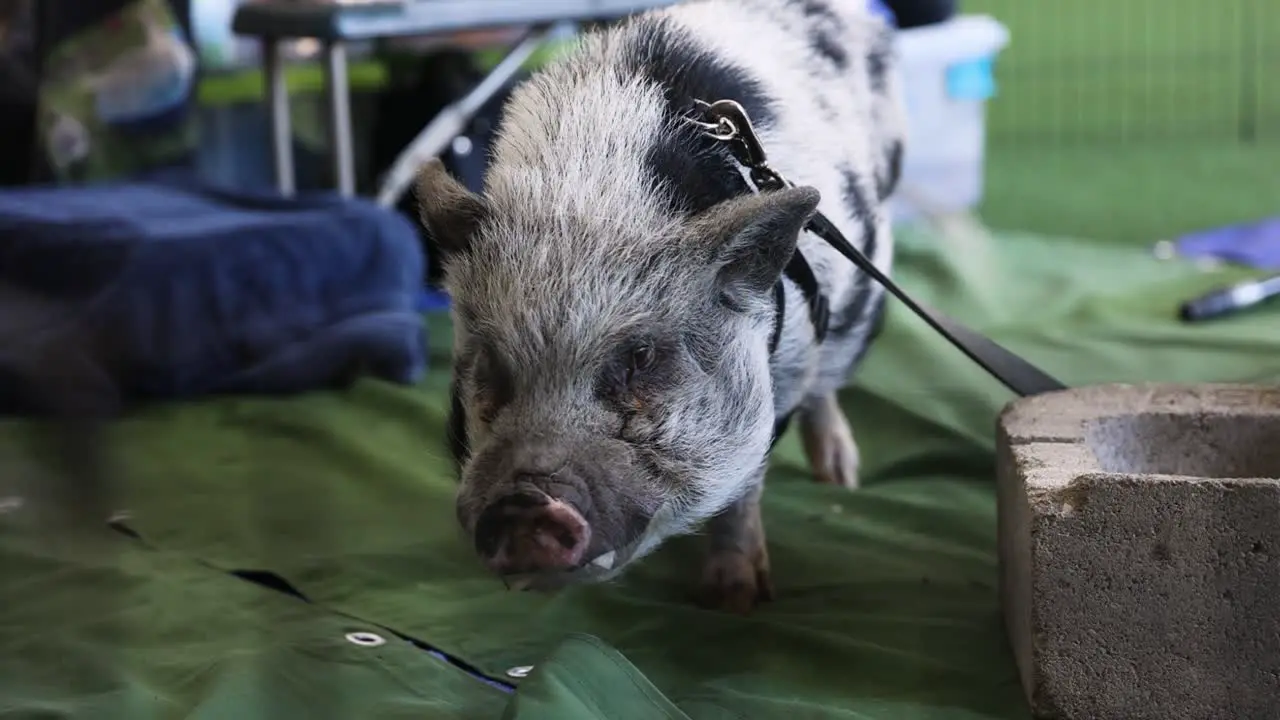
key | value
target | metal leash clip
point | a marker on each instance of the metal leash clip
(734, 125)
(719, 128)
(727, 121)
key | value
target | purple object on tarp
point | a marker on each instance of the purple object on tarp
(1255, 244)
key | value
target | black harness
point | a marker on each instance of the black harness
(727, 121)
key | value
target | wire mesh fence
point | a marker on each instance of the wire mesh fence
(1125, 71)
(1133, 120)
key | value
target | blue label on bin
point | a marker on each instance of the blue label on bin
(971, 80)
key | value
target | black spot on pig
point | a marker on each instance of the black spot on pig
(859, 208)
(878, 62)
(823, 32)
(829, 48)
(700, 171)
(861, 308)
(887, 179)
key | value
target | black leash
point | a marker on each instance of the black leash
(727, 121)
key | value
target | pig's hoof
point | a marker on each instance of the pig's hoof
(828, 441)
(732, 582)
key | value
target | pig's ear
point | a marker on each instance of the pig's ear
(447, 209)
(755, 235)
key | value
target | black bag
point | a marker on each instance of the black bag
(19, 81)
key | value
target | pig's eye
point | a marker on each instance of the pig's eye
(633, 371)
(642, 357)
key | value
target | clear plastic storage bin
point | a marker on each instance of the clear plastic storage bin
(947, 79)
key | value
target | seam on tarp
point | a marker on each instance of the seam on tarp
(272, 581)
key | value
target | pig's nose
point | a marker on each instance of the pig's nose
(531, 532)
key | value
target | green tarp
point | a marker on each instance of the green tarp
(886, 608)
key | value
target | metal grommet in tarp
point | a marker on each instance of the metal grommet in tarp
(365, 639)
(520, 671)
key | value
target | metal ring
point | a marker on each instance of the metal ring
(722, 129)
(726, 129)
(365, 639)
(520, 671)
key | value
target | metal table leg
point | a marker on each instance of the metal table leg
(278, 111)
(452, 120)
(338, 95)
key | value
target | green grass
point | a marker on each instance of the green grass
(246, 86)
(1133, 120)
(1133, 193)
(1136, 70)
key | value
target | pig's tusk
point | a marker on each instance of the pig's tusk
(519, 584)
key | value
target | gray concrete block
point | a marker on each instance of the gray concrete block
(1140, 551)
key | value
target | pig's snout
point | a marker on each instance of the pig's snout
(530, 531)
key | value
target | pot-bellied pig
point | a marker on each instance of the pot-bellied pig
(627, 343)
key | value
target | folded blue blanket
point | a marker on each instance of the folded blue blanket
(181, 291)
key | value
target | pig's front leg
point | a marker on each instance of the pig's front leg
(736, 575)
(828, 441)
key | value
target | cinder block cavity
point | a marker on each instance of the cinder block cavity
(1189, 444)
(1140, 551)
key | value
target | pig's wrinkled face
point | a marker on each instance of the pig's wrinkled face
(605, 371)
